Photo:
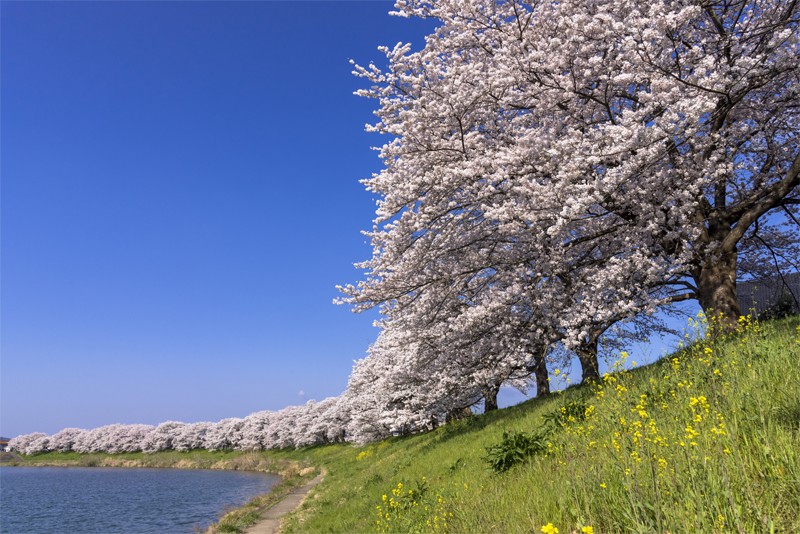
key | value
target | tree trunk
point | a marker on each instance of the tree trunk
(590, 367)
(716, 292)
(490, 399)
(452, 415)
(457, 414)
(540, 372)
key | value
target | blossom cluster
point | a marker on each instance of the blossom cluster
(555, 172)
(294, 426)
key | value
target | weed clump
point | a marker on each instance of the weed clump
(514, 449)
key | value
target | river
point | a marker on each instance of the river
(115, 500)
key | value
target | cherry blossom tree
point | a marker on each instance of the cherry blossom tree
(254, 431)
(335, 421)
(162, 437)
(90, 441)
(191, 436)
(319, 422)
(131, 437)
(226, 434)
(24, 443)
(65, 440)
(365, 399)
(634, 143)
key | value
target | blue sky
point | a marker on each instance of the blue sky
(180, 196)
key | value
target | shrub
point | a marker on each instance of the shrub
(514, 448)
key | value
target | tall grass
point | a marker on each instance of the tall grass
(705, 440)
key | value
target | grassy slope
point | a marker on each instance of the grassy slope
(707, 440)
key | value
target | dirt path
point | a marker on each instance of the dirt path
(271, 519)
(7, 457)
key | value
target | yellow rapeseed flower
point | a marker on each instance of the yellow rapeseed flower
(549, 529)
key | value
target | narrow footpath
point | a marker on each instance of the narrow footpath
(11, 456)
(271, 519)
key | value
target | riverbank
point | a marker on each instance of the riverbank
(10, 458)
(266, 518)
(105, 500)
(295, 474)
(196, 459)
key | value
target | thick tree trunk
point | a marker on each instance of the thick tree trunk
(540, 372)
(716, 291)
(590, 367)
(490, 399)
(457, 414)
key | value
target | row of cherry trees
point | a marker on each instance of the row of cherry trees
(353, 416)
(559, 171)
(556, 173)
(295, 426)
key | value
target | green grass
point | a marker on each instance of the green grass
(705, 440)
(199, 459)
(238, 520)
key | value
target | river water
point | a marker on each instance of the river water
(115, 500)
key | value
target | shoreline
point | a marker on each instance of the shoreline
(270, 521)
(194, 459)
(296, 479)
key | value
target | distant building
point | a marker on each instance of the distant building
(769, 295)
(3, 444)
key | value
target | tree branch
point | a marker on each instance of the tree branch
(772, 198)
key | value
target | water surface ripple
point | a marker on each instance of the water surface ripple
(114, 500)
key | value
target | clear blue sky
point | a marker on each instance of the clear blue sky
(180, 196)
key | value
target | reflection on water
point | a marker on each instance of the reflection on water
(70, 500)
